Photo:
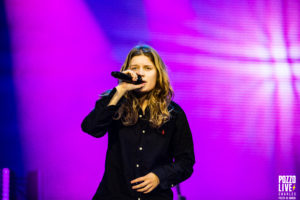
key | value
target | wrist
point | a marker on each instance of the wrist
(120, 90)
(157, 178)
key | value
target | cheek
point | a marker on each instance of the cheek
(153, 79)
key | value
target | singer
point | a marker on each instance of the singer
(150, 145)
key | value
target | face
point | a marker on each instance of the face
(144, 67)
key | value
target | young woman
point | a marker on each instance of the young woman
(150, 146)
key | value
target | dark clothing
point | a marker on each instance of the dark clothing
(134, 151)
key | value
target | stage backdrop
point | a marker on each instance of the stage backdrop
(234, 66)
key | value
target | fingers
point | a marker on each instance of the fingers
(147, 189)
(139, 85)
(140, 179)
(132, 74)
(149, 183)
(128, 86)
(141, 185)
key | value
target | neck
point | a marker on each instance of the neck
(143, 101)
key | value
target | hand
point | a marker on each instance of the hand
(149, 183)
(123, 87)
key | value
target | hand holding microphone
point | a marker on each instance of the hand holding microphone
(129, 80)
(128, 76)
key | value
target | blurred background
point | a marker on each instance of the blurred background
(234, 66)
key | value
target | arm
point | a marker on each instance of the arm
(183, 152)
(100, 118)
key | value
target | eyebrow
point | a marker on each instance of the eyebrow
(150, 65)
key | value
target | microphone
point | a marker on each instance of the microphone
(126, 78)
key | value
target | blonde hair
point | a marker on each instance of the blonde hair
(158, 99)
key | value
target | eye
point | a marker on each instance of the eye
(148, 68)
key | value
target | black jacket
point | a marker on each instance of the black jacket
(134, 151)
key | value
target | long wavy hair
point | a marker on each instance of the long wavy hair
(158, 98)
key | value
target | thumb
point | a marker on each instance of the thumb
(139, 86)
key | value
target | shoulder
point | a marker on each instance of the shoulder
(175, 109)
(106, 93)
(178, 115)
(105, 97)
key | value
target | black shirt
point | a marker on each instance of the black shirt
(134, 151)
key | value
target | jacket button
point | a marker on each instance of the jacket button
(143, 131)
(137, 165)
(141, 148)
(140, 116)
(172, 185)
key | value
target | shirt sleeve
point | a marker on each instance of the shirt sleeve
(96, 123)
(183, 152)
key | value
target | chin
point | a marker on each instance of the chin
(144, 90)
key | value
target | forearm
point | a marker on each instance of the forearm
(182, 149)
(117, 96)
(100, 118)
(173, 173)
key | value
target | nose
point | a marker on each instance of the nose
(141, 72)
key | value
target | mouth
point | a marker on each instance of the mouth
(138, 82)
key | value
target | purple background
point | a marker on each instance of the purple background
(234, 66)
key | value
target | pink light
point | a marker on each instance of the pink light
(282, 71)
(5, 184)
(59, 54)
